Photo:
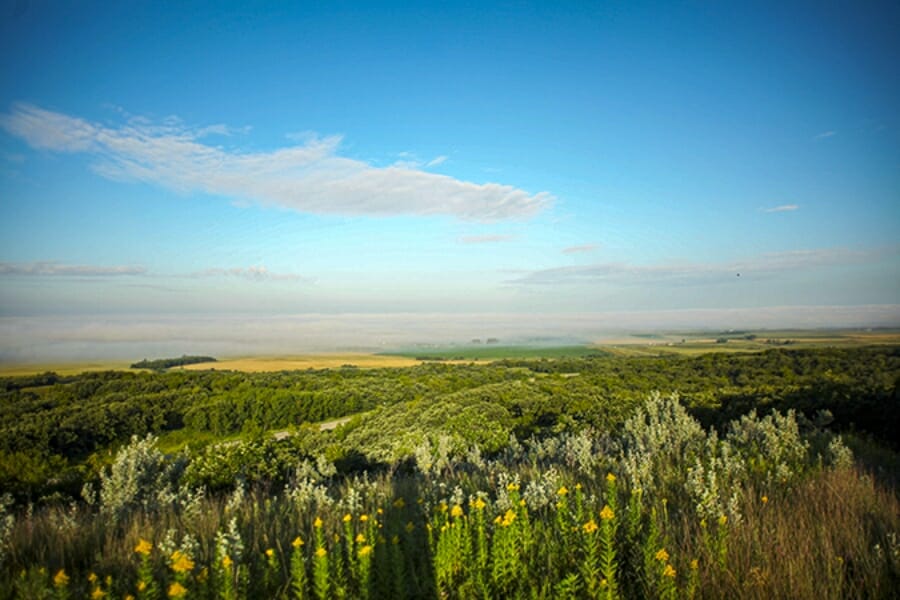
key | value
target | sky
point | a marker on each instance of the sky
(186, 166)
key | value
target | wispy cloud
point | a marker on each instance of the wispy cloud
(623, 273)
(438, 160)
(252, 273)
(782, 208)
(309, 177)
(55, 269)
(579, 249)
(824, 134)
(485, 239)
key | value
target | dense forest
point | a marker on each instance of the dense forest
(457, 468)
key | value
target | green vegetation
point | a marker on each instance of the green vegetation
(493, 352)
(721, 475)
(168, 363)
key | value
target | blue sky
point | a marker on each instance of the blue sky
(176, 159)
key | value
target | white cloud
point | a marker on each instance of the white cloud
(782, 208)
(485, 239)
(825, 134)
(580, 248)
(624, 273)
(252, 273)
(309, 177)
(438, 160)
(54, 269)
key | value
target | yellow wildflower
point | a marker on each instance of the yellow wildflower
(60, 580)
(498, 519)
(227, 562)
(522, 502)
(92, 577)
(442, 506)
(662, 555)
(347, 518)
(764, 499)
(508, 518)
(590, 526)
(176, 590)
(577, 486)
(513, 487)
(479, 504)
(360, 538)
(97, 594)
(363, 518)
(723, 519)
(562, 491)
(669, 571)
(610, 478)
(144, 547)
(321, 551)
(695, 564)
(336, 537)
(298, 541)
(607, 513)
(142, 585)
(181, 562)
(603, 583)
(399, 503)
(128, 597)
(317, 523)
(380, 511)
(456, 511)
(365, 551)
(270, 553)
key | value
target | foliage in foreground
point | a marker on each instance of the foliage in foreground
(661, 509)
(58, 432)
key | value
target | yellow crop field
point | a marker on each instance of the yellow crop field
(254, 364)
(63, 368)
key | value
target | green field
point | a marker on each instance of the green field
(492, 352)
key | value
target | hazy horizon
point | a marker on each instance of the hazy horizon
(590, 168)
(63, 339)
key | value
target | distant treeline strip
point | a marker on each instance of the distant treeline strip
(168, 363)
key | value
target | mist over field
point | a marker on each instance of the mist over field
(47, 339)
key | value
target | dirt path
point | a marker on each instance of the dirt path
(326, 426)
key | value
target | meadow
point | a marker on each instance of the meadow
(742, 475)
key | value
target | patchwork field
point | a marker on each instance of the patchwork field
(257, 364)
(651, 344)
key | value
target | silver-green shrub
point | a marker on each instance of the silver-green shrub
(7, 520)
(139, 477)
(658, 444)
(771, 448)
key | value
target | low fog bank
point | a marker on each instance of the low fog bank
(58, 339)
